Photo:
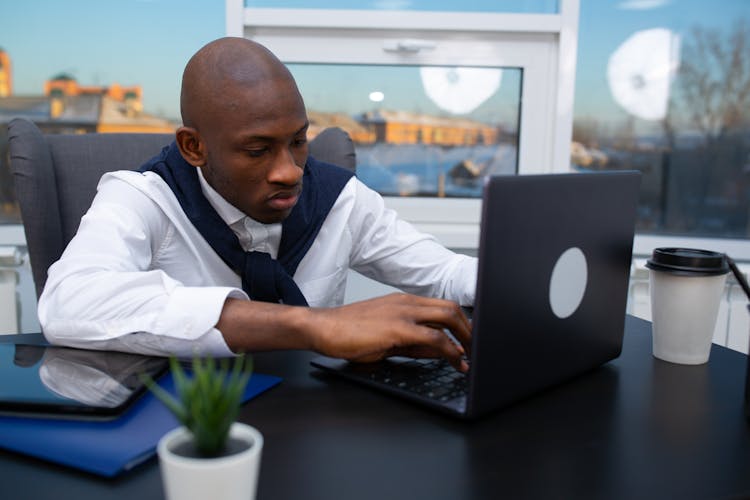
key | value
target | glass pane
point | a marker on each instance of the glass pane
(419, 131)
(672, 102)
(498, 6)
(9, 211)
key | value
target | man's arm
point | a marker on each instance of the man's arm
(109, 290)
(392, 251)
(398, 324)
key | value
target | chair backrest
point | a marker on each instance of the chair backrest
(334, 145)
(55, 178)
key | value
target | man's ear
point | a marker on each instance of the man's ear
(191, 146)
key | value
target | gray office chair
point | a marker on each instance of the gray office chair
(56, 177)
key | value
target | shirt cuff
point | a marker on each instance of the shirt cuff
(193, 312)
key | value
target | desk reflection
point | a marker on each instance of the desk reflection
(94, 378)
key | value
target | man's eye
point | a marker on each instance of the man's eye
(300, 142)
(256, 153)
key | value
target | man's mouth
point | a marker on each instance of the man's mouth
(284, 200)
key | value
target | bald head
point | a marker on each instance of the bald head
(221, 67)
(245, 126)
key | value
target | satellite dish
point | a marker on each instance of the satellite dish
(641, 70)
(460, 90)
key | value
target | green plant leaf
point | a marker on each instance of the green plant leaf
(208, 401)
(173, 404)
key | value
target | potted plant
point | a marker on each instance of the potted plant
(210, 455)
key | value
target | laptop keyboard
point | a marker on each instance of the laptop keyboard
(429, 378)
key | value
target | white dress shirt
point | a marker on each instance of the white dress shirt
(139, 277)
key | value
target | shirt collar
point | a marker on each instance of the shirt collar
(252, 235)
(228, 212)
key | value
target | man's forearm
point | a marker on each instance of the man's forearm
(261, 326)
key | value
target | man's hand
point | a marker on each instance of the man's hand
(394, 325)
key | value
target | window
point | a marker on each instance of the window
(429, 131)
(664, 88)
(528, 50)
(504, 6)
(692, 144)
(95, 51)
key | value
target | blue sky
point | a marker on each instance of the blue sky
(99, 42)
(148, 42)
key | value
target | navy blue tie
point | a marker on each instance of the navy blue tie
(263, 278)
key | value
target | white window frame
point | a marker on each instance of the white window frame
(544, 46)
(12, 235)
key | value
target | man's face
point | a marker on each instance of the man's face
(256, 149)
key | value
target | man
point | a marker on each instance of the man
(197, 250)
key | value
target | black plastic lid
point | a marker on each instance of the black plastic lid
(688, 262)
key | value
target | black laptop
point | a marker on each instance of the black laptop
(554, 264)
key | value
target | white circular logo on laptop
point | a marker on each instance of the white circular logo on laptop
(568, 282)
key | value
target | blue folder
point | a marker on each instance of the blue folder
(105, 448)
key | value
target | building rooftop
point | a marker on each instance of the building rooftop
(31, 107)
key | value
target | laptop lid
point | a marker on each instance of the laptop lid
(61, 382)
(554, 264)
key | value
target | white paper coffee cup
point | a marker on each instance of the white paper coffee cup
(686, 286)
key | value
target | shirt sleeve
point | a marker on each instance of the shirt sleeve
(103, 294)
(392, 251)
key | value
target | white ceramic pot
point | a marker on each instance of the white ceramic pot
(233, 477)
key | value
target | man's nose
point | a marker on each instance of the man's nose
(285, 169)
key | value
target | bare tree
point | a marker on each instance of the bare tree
(703, 185)
(714, 79)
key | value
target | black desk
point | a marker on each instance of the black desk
(635, 428)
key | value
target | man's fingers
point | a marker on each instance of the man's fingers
(434, 343)
(398, 324)
(437, 315)
(443, 314)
